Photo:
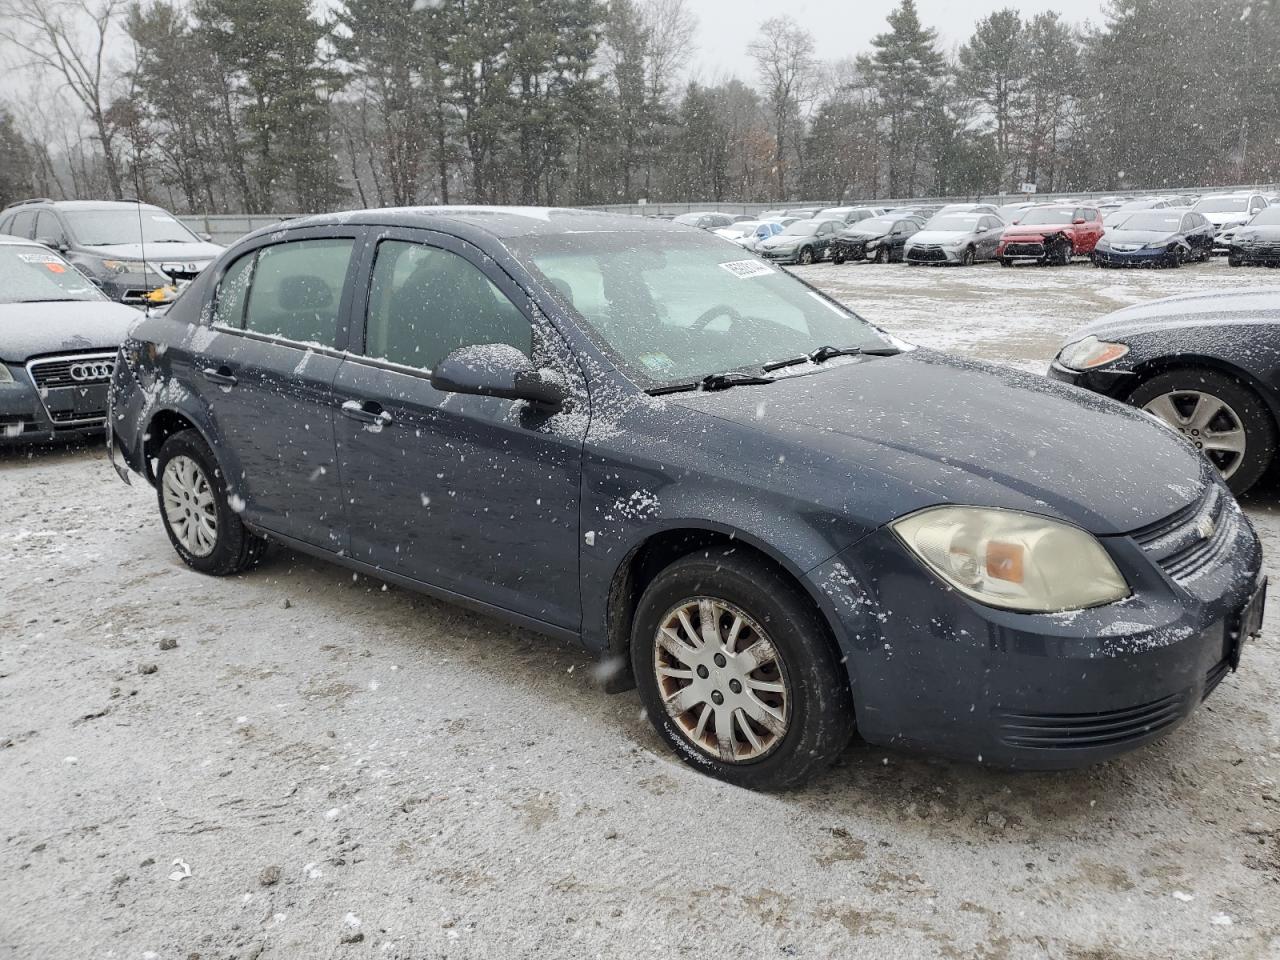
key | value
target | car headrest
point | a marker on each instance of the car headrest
(305, 293)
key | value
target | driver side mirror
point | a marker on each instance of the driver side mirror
(1078, 221)
(499, 370)
(206, 237)
(60, 244)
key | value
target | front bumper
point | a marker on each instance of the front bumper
(779, 256)
(1108, 381)
(933, 255)
(1130, 258)
(1268, 253)
(933, 670)
(55, 407)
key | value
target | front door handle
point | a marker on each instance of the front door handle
(221, 376)
(368, 412)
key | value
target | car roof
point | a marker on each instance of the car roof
(500, 222)
(85, 205)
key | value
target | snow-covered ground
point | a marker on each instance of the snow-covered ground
(327, 767)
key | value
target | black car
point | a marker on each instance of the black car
(1156, 238)
(778, 521)
(880, 239)
(1257, 244)
(58, 340)
(1206, 363)
(130, 250)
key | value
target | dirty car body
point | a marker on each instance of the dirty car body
(560, 513)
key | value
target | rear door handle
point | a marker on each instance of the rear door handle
(221, 376)
(368, 412)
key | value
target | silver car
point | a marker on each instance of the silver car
(956, 238)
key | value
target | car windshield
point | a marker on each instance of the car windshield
(30, 274)
(873, 225)
(738, 229)
(1222, 205)
(103, 228)
(1116, 218)
(1153, 220)
(801, 228)
(952, 222)
(675, 308)
(1267, 218)
(1046, 215)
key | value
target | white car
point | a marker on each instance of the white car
(970, 208)
(957, 238)
(1228, 211)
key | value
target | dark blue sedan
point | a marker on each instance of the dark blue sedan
(778, 521)
(1156, 238)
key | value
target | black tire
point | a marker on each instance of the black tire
(1259, 427)
(1234, 261)
(235, 547)
(1006, 262)
(806, 255)
(968, 257)
(1062, 255)
(820, 718)
(882, 255)
(837, 258)
(1174, 260)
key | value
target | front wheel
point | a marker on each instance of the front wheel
(1234, 261)
(806, 255)
(881, 255)
(1223, 418)
(1063, 257)
(195, 509)
(967, 258)
(738, 672)
(1006, 262)
(837, 258)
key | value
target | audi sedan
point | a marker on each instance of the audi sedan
(778, 521)
(58, 340)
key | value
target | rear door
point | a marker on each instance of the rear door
(475, 495)
(266, 375)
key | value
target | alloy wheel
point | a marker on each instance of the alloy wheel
(1208, 422)
(189, 505)
(721, 679)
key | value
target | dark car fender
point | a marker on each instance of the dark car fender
(1238, 355)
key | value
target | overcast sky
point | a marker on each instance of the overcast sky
(845, 27)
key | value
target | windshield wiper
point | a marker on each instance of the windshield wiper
(54, 300)
(825, 353)
(713, 381)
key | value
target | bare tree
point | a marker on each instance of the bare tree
(784, 54)
(71, 38)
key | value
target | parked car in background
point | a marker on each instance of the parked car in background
(494, 391)
(802, 213)
(1051, 234)
(1227, 211)
(1010, 212)
(921, 213)
(705, 220)
(955, 238)
(58, 339)
(1205, 363)
(737, 229)
(805, 241)
(880, 239)
(988, 208)
(763, 231)
(849, 215)
(1156, 238)
(106, 240)
(1258, 243)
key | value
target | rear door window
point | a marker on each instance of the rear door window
(296, 290)
(22, 224)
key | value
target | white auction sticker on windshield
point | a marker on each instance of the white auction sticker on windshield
(39, 258)
(746, 269)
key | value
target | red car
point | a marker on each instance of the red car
(1053, 233)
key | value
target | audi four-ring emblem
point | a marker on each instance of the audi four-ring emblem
(92, 370)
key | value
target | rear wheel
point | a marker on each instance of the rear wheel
(1223, 418)
(738, 673)
(197, 516)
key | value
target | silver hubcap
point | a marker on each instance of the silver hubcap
(1206, 421)
(189, 507)
(721, 680)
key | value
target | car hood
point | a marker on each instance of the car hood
(1118, 235)
(1218, 219)
(1259, 304)
(940, 236)
(781, 240)
(159, 252)
(32, 329)
(859, 236)
(927, 429)
(1267, 231)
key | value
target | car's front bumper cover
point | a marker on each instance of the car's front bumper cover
(932, 669)
(25, 415)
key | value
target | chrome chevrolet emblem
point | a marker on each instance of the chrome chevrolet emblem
(1205, 527)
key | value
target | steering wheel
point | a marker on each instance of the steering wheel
(719, 310)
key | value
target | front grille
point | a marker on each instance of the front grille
(1075, 731)
(1024, 249)
(927, 254)
(1179, 543)
(76, 418)
(75, 371)
(1214, 677)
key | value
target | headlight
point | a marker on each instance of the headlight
(1089, 353)
(130, 266)
(6, 376)
(1019, 561)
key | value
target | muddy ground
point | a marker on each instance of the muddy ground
(327, 767)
